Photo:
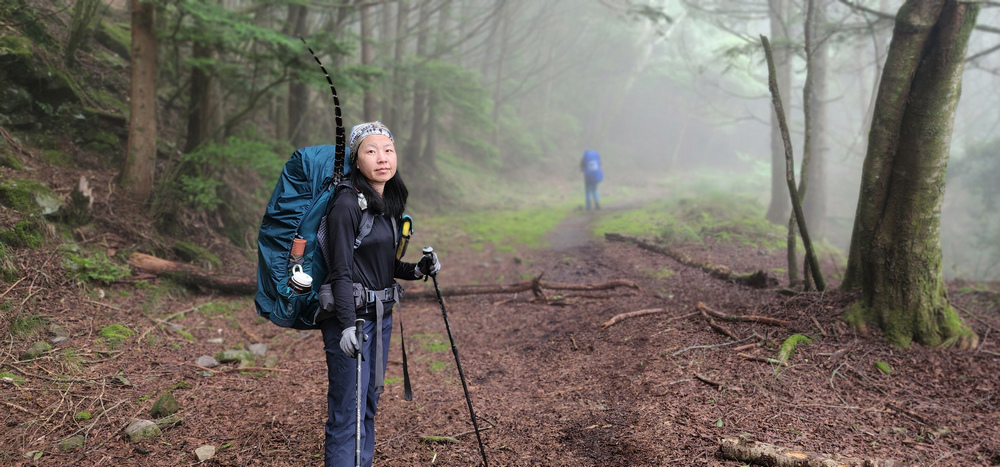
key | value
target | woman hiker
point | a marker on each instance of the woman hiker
(367, 271)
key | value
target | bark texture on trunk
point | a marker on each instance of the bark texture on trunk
(204, 117)
(780, 207)
(896, 246)
(368, 58)
(140, 155)
(298, 92)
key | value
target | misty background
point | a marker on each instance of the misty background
(493, 102)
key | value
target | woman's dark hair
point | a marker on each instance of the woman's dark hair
(394, 194)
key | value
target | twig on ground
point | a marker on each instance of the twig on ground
(752, 319)
(230, 370)
(12, 286)
(762, 359)
(719, 328)
(632, 314)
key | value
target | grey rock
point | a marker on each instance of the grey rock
(205, 374)
(58, 340)
(205, 453)
(258, 349)
(58, 331)
(71, 443)
(139, 430)
(215, 340)
(206, 361)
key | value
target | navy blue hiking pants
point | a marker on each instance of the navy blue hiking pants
(591, 192)
(342, 373)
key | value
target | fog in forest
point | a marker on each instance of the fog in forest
(678, 90)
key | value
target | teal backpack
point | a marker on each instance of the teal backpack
(296, 210)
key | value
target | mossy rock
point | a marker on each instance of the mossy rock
(165, 406)
(8, 158)
(70, 444)
(20, 194)
(117, 37)
(36, 350)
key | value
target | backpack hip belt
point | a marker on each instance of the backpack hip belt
(388, 294)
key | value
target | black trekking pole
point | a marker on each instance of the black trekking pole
(359, 333)
(428, 251)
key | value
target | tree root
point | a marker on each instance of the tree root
(753, 452)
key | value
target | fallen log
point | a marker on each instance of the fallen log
(758, 279)
(749, 318)
(534, 285)
(193, 276)
(753, 452)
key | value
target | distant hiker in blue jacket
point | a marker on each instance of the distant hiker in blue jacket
(363, 284)
(590, 164)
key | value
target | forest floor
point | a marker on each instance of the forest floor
(549, 385)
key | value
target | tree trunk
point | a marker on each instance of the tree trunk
(140, 155)
(414, 144)
(433, 109)
(779, 208)
(204, 118)
(396, 99)
(498, 85)
(298, 91)
(814, 205)
(369, 103)
(896, 246)
(385, 50)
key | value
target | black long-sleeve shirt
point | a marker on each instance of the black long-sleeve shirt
(373, 264)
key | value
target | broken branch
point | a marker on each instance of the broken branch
(753, 452)
(753, 319)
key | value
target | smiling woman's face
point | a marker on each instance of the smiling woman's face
(377, 160)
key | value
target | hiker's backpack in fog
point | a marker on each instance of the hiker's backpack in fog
(591, 166)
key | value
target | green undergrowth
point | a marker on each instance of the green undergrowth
(502, 229)
(731, 218)
(94, 267)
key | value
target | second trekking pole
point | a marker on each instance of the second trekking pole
(428, 252)
(359, 329)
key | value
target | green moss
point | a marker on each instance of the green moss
(437, 367)
(220, 308)
(432, 342)
(107, 101)
(884, 367)
(115, 334)
(8, 158)
(730, 218)
(27, 325)
(14, 45)
(95, 268)
(9, 271)
(788, 346)
(192, 253)
(57, 158)
(20, 194)
(82, 416)
(17, 380)
(504, 230)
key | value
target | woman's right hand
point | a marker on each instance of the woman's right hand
(349, 342)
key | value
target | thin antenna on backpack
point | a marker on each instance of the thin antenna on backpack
(338, 160)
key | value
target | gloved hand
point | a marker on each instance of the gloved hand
(429, 265)
(349, 342)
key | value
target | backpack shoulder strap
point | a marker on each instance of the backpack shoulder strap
(367, 220)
